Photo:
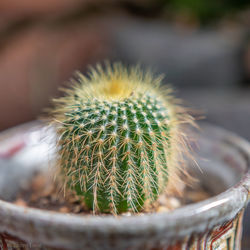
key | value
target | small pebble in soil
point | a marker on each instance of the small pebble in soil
(20, 202)
(162, 209)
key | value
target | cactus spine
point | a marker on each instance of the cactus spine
(117, 136)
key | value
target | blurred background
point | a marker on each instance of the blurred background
(202, 47)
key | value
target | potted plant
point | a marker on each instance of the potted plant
(119, 147)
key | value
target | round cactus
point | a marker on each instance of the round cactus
(118, 138)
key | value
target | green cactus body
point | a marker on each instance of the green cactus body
(117, 133)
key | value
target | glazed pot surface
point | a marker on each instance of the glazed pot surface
(216, 222)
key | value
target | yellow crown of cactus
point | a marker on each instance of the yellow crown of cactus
(119, 138)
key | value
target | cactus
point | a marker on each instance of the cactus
(118, 138)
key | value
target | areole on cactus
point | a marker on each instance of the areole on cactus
(120, 143)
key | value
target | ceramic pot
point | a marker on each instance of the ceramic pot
(215, 223)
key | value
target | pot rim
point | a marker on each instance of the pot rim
(31, 223)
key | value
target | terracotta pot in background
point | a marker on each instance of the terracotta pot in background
(15, 8)
(34, 62)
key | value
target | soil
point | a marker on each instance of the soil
(44, 194)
